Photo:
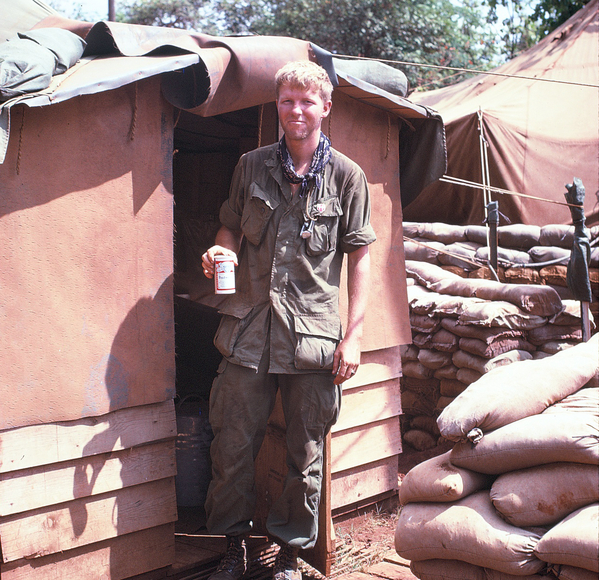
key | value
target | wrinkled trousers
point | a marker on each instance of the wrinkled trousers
(241, 402)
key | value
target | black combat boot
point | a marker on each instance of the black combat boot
(234, 563)
(285, 567)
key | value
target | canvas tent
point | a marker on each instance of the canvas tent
(541, 124)
(140, 135)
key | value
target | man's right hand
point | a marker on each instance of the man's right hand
(208, 259)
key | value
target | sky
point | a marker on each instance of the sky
(92, 10)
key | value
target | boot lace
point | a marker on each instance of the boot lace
(234, 554)
(286, 559)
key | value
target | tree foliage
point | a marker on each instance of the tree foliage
(436, 32)
(186, 14)
(526, 22)
(551, 13)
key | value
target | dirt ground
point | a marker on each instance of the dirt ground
(364, 538)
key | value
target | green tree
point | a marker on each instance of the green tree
(186, 14)
(525, 22)
(549, 14)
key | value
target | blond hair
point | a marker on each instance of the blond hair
(306, 75)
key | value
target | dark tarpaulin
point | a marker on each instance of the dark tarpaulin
(578, 266)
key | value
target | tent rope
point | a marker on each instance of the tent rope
(134, 118)
(388, 135)
(469, 70)
(20, 141)
(473, 184)
(261, 116)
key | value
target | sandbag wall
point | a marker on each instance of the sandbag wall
(464, 325)
(527, 254)
(517, 495)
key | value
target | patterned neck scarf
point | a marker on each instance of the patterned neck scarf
(321, 157)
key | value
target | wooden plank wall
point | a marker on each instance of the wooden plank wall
(366, 440)
(78, 498)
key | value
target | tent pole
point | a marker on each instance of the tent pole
(491, 207)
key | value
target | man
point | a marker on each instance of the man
(294, 209)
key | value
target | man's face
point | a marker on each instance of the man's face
(301, 112)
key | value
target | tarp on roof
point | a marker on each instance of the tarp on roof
(540, 134)
(21, 15)
(210, 75)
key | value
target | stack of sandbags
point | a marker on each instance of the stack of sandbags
(526, 254)
(463, 329)
(518, 494)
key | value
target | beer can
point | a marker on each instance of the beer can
(224, 274)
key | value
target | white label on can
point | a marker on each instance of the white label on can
(224, 275)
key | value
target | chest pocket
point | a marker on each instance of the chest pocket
(324, 235)
(256, 213)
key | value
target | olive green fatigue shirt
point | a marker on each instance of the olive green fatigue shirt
(288, 286)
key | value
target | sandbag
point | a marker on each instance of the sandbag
(518, 275)
(459, 271)
(553, 332)
(456, 570)
(505, 256)
(482, 365)
(541, 254)
(523, 388)
(476, 234)
(536, 440)
(422, 251)
(408, 352)
(451, 387)
(573, 541)
(422, 339)
(444, 341)
(469, 530)
(425, 423)
(553, 347)
(495, 348)
(413, 403)
(497, 314)
(424, 302)
(460, 254)
(442, 402)
(427, 274)
(570, 315)
(455, 305)
(434, 359)
(440, 232)
(449, 372)
(416, 370)
(495, 575)
(538, 300)
(546, 494)
(419, 439)
(571, 573)
(446, 570)
(424, 323)
(586, 400)
(487, 335)
(468, 376)
(437, 480)
(555, 275)
(427, 387)
(557, 235)
(519, 236)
